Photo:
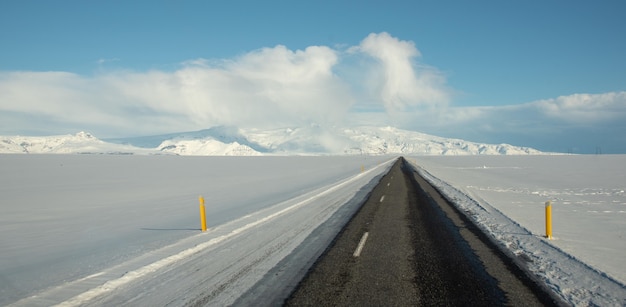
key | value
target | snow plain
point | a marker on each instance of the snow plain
(79, 222)
(506, 195)
(68, 219)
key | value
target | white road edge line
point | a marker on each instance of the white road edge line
(359, 248)
(111, 285)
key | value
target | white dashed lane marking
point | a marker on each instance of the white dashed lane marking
(359, 248)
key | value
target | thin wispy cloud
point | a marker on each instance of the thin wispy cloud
(103, 61)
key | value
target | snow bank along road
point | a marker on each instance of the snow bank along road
(257, 248)
(406, 246)
(213, 268)
(584, 263)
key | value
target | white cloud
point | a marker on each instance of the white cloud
(582, 121)
(577, 110)
(378, 82)
(58, 95)
(267, 87)
(401, 83)
(585, 108)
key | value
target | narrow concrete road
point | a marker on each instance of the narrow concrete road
(405, 247)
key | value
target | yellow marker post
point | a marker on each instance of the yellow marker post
(549, 220)
(202, 214)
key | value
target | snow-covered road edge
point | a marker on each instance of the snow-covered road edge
(279, 282)
(570, 279)
(305, 212)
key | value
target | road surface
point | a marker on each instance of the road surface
(406, 247)
(370, 239)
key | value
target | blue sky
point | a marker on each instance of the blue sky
(545, 74)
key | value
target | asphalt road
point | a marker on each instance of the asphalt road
(407, 246)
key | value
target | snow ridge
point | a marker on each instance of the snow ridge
(232, 141)
(77, 143)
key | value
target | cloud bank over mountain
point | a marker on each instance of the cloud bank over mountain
(381, 81)
(230, 141)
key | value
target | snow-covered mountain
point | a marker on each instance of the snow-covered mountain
(222, 141)
(81, 142)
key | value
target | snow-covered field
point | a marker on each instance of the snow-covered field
(67, 218)
(507, 195)
(73, 226)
